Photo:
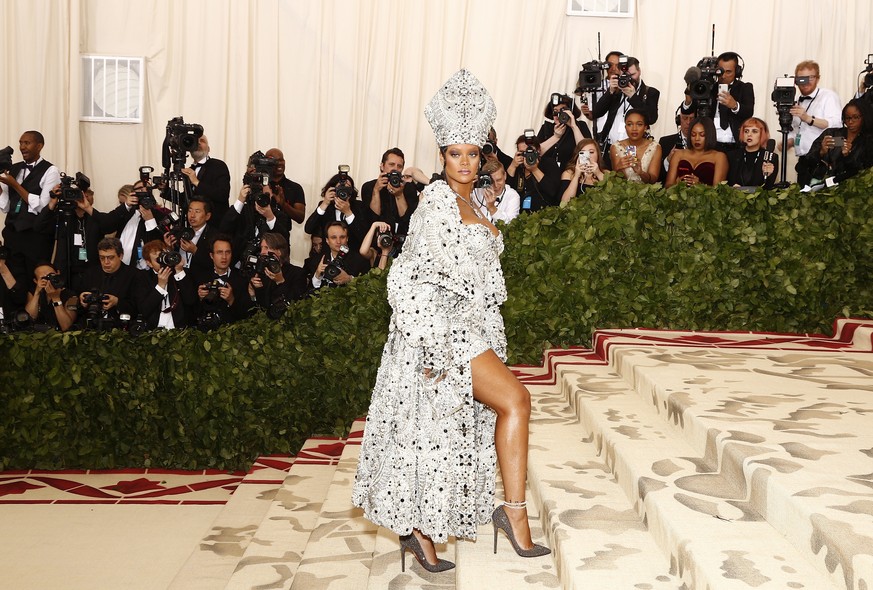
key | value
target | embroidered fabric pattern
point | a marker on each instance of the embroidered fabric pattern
(461, 112)
(428, 459)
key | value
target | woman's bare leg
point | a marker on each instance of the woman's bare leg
(495, 386)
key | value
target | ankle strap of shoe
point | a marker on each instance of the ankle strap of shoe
(516, 505)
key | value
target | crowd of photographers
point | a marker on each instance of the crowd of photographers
(176, 252)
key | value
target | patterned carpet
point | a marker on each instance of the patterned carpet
(658, 460)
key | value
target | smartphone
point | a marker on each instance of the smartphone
(631, 151)
(839, 142)
(722, 88)
(584, 158)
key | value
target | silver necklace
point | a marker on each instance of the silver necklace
(476, 210)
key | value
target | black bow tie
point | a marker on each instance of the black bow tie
(29, 166)
(802, 98)
(197, 165)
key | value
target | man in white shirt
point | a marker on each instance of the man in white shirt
(24, 191)
(816, 110)
(498, 202)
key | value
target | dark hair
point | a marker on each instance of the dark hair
(111, 244)
(395, 151)
(549, 111)
(36, 135)
(866, 109)
(730, 56)
(709, 142)
(44, 262)
(220, 238)
(611, 53)
(334, 223)
(533, 141)
(333, 182)
(277, 241)
(207, 204)
(639, 112)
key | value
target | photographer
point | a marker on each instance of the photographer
(736, 103)
(561, 130)
(24, 191)
(255, 212)
(111, 286)
(392, 197)
(49, 303)
(274, 279)
(340, 264)
(135, 223)
(378, 245)
(12, 292)
(677, 141)
(316, 245)
(209, 178)
(165, 294)
(223, 291)
(289, 194)
(198, 232)
(816, 110)
(625, 91)
(497, 201)
(340, 202)
(75, 232)
(536, 181)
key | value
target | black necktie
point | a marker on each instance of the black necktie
(802, 98)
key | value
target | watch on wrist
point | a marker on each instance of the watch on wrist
(56, 303)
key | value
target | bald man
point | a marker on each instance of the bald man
(291, 198)
(210, 179)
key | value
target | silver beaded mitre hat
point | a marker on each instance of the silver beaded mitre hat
(461, 111)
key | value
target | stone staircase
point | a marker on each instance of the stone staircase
(659, 460)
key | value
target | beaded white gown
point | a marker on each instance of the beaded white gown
(428, 459)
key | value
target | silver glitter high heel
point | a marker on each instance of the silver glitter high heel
(501, 521)
(410, 542)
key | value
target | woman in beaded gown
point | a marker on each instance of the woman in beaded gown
(445, 408)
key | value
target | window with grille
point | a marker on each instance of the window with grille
(620, 8)
(112, 88)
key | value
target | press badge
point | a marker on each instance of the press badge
(77, 239)
(797, 138)
(83, 255)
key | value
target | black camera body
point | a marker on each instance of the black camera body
(183, 137)
(591, 76)
(385, 239)
(624, 78)
(256, 264)
(174, 226)
(212, 294)
(484, 180)
(169, 259)
(258, 176)
(531, 155)
(489, 148)
(6, 159)
(73, 188)
(395, 179)
(335, 266)
(783, 96)
(343, 188)
(56, 280)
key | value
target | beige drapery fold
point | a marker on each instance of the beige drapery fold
(339, 81)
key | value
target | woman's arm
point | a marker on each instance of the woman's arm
(650, 175)
(671, 173)
(721, 168)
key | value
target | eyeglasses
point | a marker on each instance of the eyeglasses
(851, 117)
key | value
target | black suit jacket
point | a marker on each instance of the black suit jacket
(646, 99)
(242, 302)
(248, 224)
(121, 283)
(562, 151)
(316, 223)
(293, 288)
(201, 262)
(667, 143)
(214, 185)
(118, 218)
(149, 300)
(744, 94)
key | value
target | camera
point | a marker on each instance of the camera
(564, 116)
(335, 266)
(385, 239)
(783, 97)
(169, 259)
(484, 180)
(344, 189)
(395, 179)
(6, 159)
(591, 76)
(92, 297)
(624, 78)
(258, 175)
(256, 264)
(212, 294)
(531, 154)
(183, 137)
(173, 225)
(56, 280)
(73, 188)
(489, 148)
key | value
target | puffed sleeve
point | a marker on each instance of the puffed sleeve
(433, 282)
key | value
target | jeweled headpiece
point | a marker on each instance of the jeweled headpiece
(461, 111)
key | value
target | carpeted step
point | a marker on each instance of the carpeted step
(789, 431)
(272, 556)
(340, 548)
(712, 540)
(211, 564)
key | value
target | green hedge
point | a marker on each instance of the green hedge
(623, 255)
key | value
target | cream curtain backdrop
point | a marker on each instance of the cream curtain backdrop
(339, 81)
